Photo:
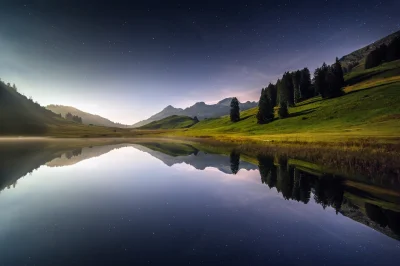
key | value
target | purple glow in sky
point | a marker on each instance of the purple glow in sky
(128, 60)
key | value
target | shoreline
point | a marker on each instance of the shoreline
(374, 160)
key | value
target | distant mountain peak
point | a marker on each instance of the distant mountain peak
(169, 107)
(200, 109)
(226, 101)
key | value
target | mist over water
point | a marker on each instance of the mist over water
(176, 204)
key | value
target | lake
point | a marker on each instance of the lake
(155, 203)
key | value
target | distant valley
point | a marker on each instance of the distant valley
(200, 109)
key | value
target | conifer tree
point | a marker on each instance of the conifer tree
(68, 116)
(272, 94)
(235, 110)
(305, 84)
(278, 90)
(338, 72)
(296, 77)
(283, 103)
(328, 80)
(373, 59)
(265, 112)
(283, 110)
(287, 82)
(393, 50)
(320, 80)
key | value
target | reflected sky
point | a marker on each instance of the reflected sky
(127, 207)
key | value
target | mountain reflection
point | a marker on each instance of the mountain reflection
(177, 153)
(374, 206)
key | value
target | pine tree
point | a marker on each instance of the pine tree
(373, 59)
(265, 112)
(283, 110)
(338, 72)
(283, 95)
(272, 94)
(320, 80)
(328, 80)
(235, 110)
(393, 50)
(288, 88)
(68, 116)
(330, 83)
(296, 78)
(305, 84)
(382, 52)
(278, 90)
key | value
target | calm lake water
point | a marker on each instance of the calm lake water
(167, 204)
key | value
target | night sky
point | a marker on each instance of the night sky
(126, 60)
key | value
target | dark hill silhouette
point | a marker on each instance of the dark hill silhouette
(22, 116)
(357, 57)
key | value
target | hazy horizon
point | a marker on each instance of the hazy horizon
(128, 61)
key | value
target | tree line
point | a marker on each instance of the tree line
(292, 88)
(384, 53)
(326, 190)
(74, 118)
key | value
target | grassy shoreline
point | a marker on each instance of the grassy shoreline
(378, 162)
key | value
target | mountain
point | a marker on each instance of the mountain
(200, 109)
(87, 118)
(171, 122)
(358, 57)
(22, 116)
(167, 111)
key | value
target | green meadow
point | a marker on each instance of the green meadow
(171, 122)
(369, 111)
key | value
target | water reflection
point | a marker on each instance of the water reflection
(331, 191)
(374, 206)
(145, 204)
(234, 160)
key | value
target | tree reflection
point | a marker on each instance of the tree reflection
(235, 161)
(383, 217)
(376, 214)
(267, 170)
(292, 183)
(73, 153)
(327, 190)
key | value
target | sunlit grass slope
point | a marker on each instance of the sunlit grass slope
(171, 122)
(369, 109)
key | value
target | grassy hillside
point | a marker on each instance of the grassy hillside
(20, 115)
(171, 122)
(87, 118)
(360, 54)
(383, 71)
(369, 109)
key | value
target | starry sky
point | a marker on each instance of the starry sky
(126, 60)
